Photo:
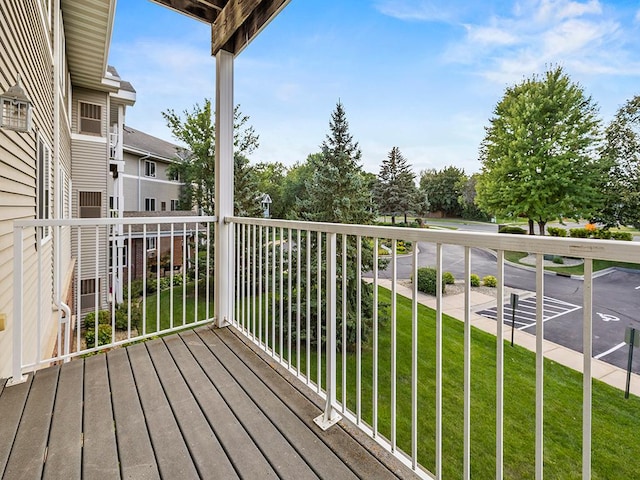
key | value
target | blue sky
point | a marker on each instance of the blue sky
(417, 74)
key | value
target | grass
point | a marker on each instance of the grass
(189, 307)
(515, 257)
(615, 420)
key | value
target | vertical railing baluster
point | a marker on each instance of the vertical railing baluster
(587, 352)
(319, 313)
(197, 270)
(171, 260)
(375, 339)
(438, 472)
(129, 268)
(289, 273)
(253, 283)
(298, 272)
(184, 272)
(539, 366)
(359, 330)
(500, 367)
(207, 270)
(238, 281)
(281, 299)
(260, 271)
(144, 279)
(79, 288)
(394, 341)
(308, 296)
(273, 292)
(467, 365)
(330, 416)
(18, 293)
(414, 357)
(158, 246)
(344, 323)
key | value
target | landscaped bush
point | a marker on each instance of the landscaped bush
(489, 281)
(104, 318)
(448, 278)
(558, 260)
(626, 236)
(602, 234)
(557, 231)
(427, 280)
(512, 230)
(475, 280)
(579, 233)
(104, 336)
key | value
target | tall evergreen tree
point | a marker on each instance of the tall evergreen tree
(395, 189)
(538, 154)
(336, 191)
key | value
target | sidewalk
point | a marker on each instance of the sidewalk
(453, 305)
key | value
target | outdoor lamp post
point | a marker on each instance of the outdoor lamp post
(15, 109)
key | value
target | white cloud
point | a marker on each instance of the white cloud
(490, 35)
(638, 16)
(420, 10)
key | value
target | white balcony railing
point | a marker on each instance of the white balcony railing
(118, 290)
(297, 282)
(310, 296)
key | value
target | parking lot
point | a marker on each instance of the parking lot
(525, 313)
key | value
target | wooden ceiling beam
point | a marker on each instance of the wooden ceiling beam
(233, 15)
(252, 27)
(204, 10)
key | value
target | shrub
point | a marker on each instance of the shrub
(602, 234)
(104, 336)
(427, 280)
(104, 318)
(579, 233)
(448, 278)
(558, 260)
(557, 231)
(489, 281)
(512, 230)
(626, 236)
(475, 280)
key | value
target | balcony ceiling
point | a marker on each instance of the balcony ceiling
(87, 25)
(234, 23)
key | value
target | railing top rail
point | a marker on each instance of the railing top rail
(80, 222)
(615, 250)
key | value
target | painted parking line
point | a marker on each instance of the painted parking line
(525, 314)
(611, 350)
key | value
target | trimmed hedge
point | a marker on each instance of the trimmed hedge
(512, 230)
(600, 234)
(490, 281)
(557, 231)
(427, 281)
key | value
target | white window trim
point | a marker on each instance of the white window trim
(102, 113)
(151, 243)
(44, 185)
(148, 163)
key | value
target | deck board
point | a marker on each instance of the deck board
(186, 386)
(173, 457)
(100, 451)
(64, 459)
(29, 449)
(199, 404)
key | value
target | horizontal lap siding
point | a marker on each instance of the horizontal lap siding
(26, 50)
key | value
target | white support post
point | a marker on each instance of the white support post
(18, 286)
(330, 416)
(224, 281)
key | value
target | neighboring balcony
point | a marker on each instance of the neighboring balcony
(326, 325)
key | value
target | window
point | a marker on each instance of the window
(113, 253)
(163, 206)
(173, 175)
(88, 293)
(44, 184)
(149, 168)
(174, 205)
(150, 204)
(90, 118)
(151, 243)
(90, 205)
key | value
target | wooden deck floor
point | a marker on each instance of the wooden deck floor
(200, 404)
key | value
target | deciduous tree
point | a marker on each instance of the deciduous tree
(538, 155)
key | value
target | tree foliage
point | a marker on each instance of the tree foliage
(538, 155)
(621, 151)
(394, 191)
(443, 189)
(336, 190)
(196, 164)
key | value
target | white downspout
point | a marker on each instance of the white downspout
(65, 318)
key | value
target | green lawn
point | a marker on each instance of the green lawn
(615, 420)
(515, 257)
(189, 307)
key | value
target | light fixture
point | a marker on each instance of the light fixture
(15, 109)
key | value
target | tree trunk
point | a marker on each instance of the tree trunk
(405, 218)
(531, 227)
(393, 219)
(541, 225)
